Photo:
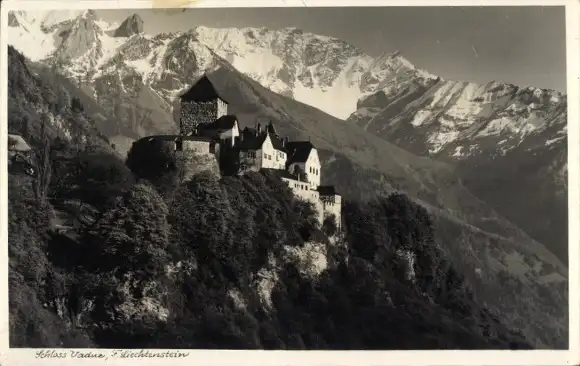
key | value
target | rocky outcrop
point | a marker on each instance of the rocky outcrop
(12, 20)
(130, 26)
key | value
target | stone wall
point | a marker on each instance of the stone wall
(302, 190)
(194, 114)
(197, 157)
(332, 205)
(250, 161)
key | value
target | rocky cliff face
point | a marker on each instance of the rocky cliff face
(130, 26)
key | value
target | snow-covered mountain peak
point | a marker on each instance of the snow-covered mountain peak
(50, 18)
(325, 72)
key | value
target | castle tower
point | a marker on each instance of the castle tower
(201, 104)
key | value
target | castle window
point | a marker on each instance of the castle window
(179, 145)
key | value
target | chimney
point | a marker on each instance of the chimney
(285, 141)
(258, 129)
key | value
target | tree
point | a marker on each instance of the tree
(43, 164)
(155, 161)
(133, 234)
(329, 225)
(100, 178)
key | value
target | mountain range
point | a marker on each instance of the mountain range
(472, 154)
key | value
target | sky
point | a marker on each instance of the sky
(525, 46)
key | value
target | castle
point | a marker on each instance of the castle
(208, 131)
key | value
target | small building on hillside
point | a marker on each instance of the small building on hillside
(19, 155)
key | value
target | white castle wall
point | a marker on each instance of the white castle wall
(303, 191)
(222, 108)
(272, 158)
(230, 135)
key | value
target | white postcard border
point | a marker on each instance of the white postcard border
(240, 358)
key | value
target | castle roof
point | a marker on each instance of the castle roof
(202, 90)
(327, 190)
(250, 139)
(226, 122)
(175, 138)
(277, 142)
(299, 151)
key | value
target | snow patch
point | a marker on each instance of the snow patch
(457, 153)
(554, 140)
(110, 46)
(420, 117)
(29, 39)
(440, 139)
(339, 100)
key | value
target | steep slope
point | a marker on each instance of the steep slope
(138, 84)
(33, 100)
(516, 135)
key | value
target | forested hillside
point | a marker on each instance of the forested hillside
(236, 263)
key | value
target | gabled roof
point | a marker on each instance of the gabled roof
(202, 90)
(327, 191)
(277, 142)
(17, 143)
(249, 141)
(298, 151)
(226, 122)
